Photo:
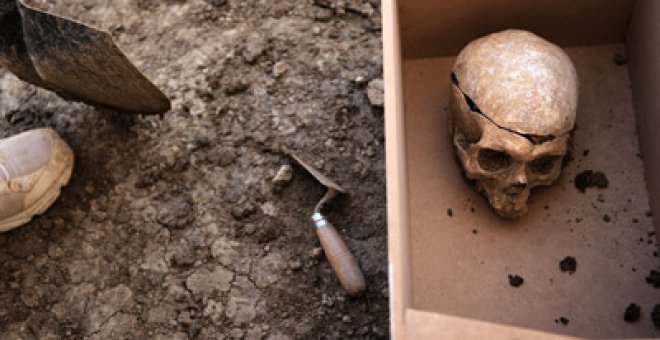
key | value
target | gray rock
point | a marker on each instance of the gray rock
(375, 92)
(204, 282)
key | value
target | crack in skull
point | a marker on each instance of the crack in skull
(534, 139)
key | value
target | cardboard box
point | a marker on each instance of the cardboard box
(449, 274)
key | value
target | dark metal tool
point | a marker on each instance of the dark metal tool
(337, 252)
(75, 61)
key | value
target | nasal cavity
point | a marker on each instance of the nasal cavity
(515, 188)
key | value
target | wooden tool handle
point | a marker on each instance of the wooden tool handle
(341, 259)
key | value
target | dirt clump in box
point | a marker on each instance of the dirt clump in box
(653, 278)
(516, 280)
(568, 264)
(590, 179)
(632, 313)
(655, 316)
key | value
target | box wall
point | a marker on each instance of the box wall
(644, 52)
(441, 28)
(397, 208)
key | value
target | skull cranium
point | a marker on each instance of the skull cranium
(514, 105)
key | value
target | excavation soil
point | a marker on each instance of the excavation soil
(171, 227)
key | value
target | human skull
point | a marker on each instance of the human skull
(514, 105)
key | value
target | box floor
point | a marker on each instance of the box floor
(458, 272)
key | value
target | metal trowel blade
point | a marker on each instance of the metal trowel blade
(74, 60)
(327, 182)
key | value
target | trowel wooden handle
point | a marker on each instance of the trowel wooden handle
(340, 257)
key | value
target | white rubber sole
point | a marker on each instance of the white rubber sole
(42, 204)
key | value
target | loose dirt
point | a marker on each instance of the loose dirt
(172, 227)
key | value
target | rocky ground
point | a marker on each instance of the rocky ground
(172, 227)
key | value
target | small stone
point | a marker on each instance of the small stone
(564, 321)
(375, 92)
(316, 253)
(346, 319)
(269, 209)
(516, 280)
(606, 218)
(280, 68)
(632, 313)
(568, 264)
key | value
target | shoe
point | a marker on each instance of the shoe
(34, 166)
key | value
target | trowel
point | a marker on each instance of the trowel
(75, 61)
(336, 251)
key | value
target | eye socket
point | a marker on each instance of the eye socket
(544, 164)
(493, 160)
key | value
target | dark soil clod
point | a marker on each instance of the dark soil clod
(568, 264)
(655, 316)
(563, 320)
(516, 280)
(653, 278)
(632, 313)
(589, 179)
